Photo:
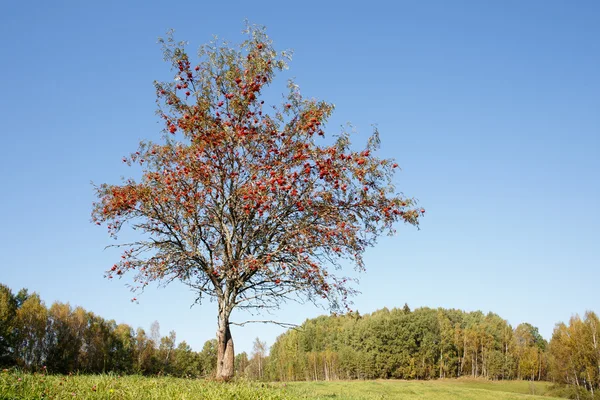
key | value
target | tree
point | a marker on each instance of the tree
(241, 363)
(528, 345)
(186, 362)
(166, 350)
(208, 357)
(144, 351)
(155, 334)
(64, 340)
(575, 355)
(242, 202)
(259, 352)
(30, 327)
(123, 353)
(8, 312)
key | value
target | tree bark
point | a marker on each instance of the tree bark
(441, 362)
(225, 353)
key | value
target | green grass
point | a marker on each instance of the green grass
(17, 385)
(466, 389)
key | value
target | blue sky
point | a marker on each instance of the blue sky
(490, 108)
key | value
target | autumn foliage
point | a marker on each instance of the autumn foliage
(243, 201)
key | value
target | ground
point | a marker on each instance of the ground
(17, 385)
(463, 389)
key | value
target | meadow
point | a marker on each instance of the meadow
(18, 385)
(434, 389)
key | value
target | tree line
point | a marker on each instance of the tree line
(399, 343)
(403, 344)
(439, 343)
(63, 339)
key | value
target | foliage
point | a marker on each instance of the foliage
(398, 343)
(63, 339)
(242, 364)
(8, 311)
(258, 361)
(575, 355)
(241, 201)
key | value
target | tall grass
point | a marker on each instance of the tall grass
(25, 386)
(18, 385)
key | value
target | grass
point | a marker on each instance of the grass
(18, 385)
(464, 389)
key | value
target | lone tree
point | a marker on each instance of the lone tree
(244, 202)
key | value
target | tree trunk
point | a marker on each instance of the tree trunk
(462, 364)
(225, 353)
(441, 362)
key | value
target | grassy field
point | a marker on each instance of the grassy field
(439, 389)
(16, 385)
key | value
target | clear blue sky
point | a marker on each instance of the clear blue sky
(492, 109)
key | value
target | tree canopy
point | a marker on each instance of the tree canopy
(243, 201)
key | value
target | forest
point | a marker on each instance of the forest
(400, 343)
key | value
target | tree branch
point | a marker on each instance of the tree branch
(282, 324)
